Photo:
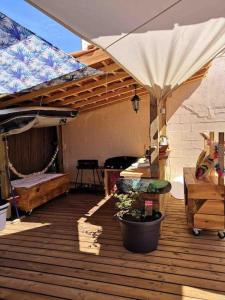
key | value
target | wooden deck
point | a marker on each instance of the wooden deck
(71, 249)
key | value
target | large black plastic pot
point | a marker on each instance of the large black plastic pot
(140, 237)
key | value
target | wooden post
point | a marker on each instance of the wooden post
(162, 118)
(154, 137)
(60, 145)
(5, 185)
(211, 146)
(221, 157)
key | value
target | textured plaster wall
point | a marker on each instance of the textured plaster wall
(113, 131)
(192, 109)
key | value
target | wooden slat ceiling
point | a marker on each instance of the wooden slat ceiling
(91, 93)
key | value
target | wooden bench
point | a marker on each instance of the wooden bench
(39, 189)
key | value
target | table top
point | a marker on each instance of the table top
(190, 178)
(206, 188)
(141, 169)
(136, 172)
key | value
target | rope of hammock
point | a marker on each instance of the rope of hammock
(20, 175)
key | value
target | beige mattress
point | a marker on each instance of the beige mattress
(34, 180)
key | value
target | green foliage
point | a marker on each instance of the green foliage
(127, 203)
(132, 207)
(130, 204)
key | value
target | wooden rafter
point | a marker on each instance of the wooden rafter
(87, 87)
(110, 97)
(47, 92)
(105, 103)
(103, 90)
(93, 57)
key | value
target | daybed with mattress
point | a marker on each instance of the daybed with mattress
(38, 189)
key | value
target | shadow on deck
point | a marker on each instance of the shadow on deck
(71, 248)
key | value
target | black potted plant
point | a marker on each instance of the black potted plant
(139, 221)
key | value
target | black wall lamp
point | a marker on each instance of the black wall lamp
(135, 100)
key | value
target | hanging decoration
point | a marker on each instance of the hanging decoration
(20, 175)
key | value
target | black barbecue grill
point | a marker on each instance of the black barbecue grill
(119, 162)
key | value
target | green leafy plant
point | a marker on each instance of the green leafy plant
(131, 207)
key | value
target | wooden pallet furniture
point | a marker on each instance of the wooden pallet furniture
(204, 202)
(39, 189)
(205, 198)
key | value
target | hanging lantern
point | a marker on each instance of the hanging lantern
(135, 100)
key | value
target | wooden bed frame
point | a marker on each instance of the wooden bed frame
(37, 194)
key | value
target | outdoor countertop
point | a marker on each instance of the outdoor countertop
(141, 169)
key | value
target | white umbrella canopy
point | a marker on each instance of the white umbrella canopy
(160, 43)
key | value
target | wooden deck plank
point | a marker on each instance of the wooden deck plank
(86, 240)
(74, 245)
(152, 276)
(68, 281)
(113, 240)
(139, 288)
(9, 293)
(52, 290)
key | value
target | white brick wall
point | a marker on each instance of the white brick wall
(192, 109)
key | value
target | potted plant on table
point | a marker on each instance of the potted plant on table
(139, 221)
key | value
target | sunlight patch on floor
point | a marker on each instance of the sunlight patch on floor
(88, 235)
(20, 226)
(188, 291)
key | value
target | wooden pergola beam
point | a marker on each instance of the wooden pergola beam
(87, 87)
(126, 92)
(45, 91)
(92, 57)
(102, 90)
(39, 93)
(194, 78)
(104, 103)
(86, 90)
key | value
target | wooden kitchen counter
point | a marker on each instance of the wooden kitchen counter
(144, 171)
